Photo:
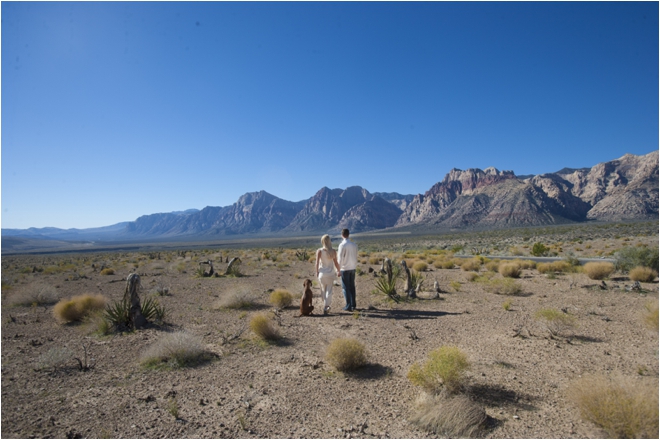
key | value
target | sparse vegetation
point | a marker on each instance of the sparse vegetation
(598, 270)
(556, 321)
(262, 326)
(36, 294)
(237, 298)
(444, 370)
(502, 286)
(108, 271)
(624, 408)
(539, 250)
(449, 416)
(420, 266)
(54, 358)
(473, 264)
(78, 307)
(630, 257)
(346, 354)
(642, 274)
(281, 298)
(651, 315)
(510, 270)
(175, 350)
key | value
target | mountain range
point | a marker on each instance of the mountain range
(622, 189)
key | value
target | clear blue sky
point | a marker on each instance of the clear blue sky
(115, 110)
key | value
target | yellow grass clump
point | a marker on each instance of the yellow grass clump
(622, 407)
(346, 354)
(642, 274)
(108, 271)
(78, 307)
(473, 264)
(445, 369)
(263, 327)
(598, 270)
(420, 266)
(510, 270)
(281, 298)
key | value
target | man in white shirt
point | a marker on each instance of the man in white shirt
(347, 258)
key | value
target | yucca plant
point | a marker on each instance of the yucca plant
(152, 310)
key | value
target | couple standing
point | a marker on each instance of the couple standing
(345, 261)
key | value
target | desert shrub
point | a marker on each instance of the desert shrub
(525, 264)
(643, 274)
(108, 271)
(448, 264)
(98, 323)
(506, 305)
(281, 298)
(503, 286)
(630, 257)
(554, 267)
(455, 285)
(175, 350)
(597, 270)
(449, 416)
(473, 264)
(493, 266)
(374, 259)
(651, 315)
(78, 307)
(510, 270)
(472, 276)
(539, 250)
(34, 294)
(445, 369)
(420, 266)
(622, 407)
(346, 354)
(54, 358)
(237, 298)
(263, 327)
(556, 321)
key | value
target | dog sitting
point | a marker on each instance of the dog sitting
(306, 306)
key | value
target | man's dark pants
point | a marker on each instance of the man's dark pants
(348, 288)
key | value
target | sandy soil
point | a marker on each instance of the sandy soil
(287, 390)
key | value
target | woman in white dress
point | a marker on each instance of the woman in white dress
(326, 268)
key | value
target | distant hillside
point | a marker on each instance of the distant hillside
(621, 189)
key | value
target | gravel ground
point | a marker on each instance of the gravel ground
(519, 373)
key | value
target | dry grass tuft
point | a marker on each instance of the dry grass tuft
(598, 270)
(473, 264)
(108, 271)
(624, 408)
(281, 298)
(420, 266)
(556, 321)
(34, 295)
(175, 350)
(510, 270)
(453, 416)
(445, 369)
(237, 298)
(346, 354)
(554, 267)
(78, 307)
(263, 327)
(651, 315)
(503, 286)
(642, 274)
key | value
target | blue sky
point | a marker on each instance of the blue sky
(115, 110)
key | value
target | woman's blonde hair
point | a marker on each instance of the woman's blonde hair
(325, 241)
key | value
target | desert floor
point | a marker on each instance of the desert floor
(519, 373)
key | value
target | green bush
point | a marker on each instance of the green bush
(539, 250)
(346, 354)
(445, 369)
(630, 257)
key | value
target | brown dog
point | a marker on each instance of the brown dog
(306, 306)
